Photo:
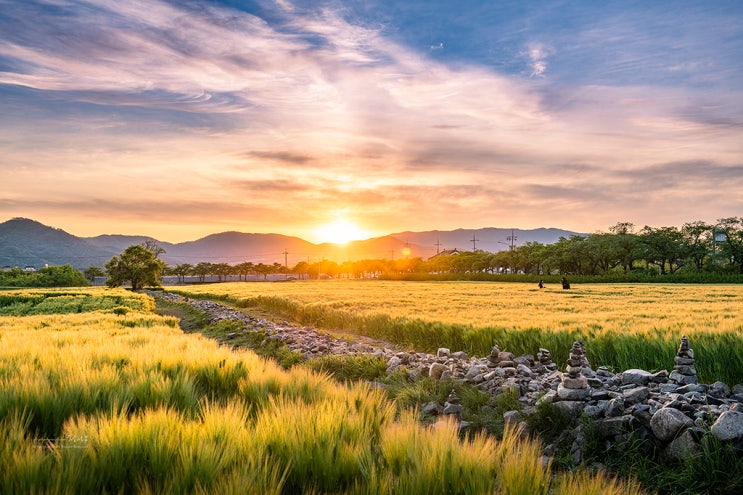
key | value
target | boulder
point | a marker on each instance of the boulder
(677, 377)
(638, 377)
(614, 426)
(682, 446)
(719, 390)
(565, 393)
(579, 382)
(667, 422)
(437, 369)
(729, 426)
(635, 395)
(512, 417)
(432, 408)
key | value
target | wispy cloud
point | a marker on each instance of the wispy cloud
(291, 116)
(538, 54)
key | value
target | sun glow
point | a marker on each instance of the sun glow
(340, 231)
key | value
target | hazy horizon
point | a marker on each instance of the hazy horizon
(339, 119)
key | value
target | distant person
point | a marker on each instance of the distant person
(541, 284)
(565, 283)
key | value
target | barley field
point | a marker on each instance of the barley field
(115, 399)
(622, 326)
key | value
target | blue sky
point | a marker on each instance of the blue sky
(180, 119)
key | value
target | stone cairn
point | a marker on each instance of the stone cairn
(544, 357)
(684, 372)
(573, 389)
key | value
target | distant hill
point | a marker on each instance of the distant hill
(25, 242)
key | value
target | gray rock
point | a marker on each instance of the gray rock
(512, 417)
(524, 370)
(474, 371)
(638, 377)
(452, 408)
(393, 363)
(677, 377)
(660, 377)
(565, 393)
(594, 411)
(506, 356)
(719, 390)
(595, 382)
(579, 382)
(685, 369)
(729, 426)
(509, 371)
(635, 395)
(614, 426)
(668, 388)
(571, 407)
(432, 408)
(683, 446)
(437, 369)
(550, 396)
(599, 394)
(615, 407)
(667, 422)
(692, 387)
(443, 352)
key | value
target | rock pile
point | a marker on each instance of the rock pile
(672, 410)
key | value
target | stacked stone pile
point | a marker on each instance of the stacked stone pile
(544, 357)
(684, 372)
(672, 410)
(573, 389)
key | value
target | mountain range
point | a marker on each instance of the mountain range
(25, 242)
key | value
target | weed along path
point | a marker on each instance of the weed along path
(667, 408)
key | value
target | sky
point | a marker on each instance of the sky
(179, 119)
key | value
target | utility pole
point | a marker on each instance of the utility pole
(286, 260)
(438, 245)
(474, 242)
(512, 238)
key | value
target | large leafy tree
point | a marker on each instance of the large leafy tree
(137, 265)
(732, 244)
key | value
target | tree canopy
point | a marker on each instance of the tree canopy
(51, 276)
(137, 265)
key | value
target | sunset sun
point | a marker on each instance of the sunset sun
(340, 231)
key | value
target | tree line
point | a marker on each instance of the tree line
(709, 252)
(696, 247)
